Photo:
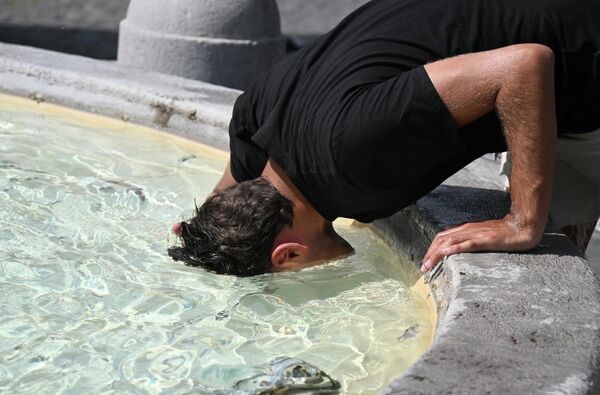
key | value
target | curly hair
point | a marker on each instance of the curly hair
(233, 231)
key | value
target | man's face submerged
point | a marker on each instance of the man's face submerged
(324, 247)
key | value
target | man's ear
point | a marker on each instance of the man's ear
(285, 252)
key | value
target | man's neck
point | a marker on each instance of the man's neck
(305, 215)
(309, 229)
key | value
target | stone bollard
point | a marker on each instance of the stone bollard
(224, 42)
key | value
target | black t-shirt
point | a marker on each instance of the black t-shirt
(355, 122)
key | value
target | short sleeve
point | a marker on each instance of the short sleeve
(393, 132)
(247, 159)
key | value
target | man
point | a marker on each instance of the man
(376, 113)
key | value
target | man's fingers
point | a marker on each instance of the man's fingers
(464, 238)
(466, 246)
(454, 226)
(450, 247)
(433, 254)
(499, 235)
(439, 247)
(468, 227)
(444, 239)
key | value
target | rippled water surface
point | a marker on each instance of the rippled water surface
(90, 302)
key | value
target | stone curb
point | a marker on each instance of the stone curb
(191, 109)
(508, 323)
(511, 323)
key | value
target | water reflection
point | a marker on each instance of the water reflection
(91, 302)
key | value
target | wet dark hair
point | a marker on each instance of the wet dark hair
(233, 231)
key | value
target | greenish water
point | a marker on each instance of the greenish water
(90, 302)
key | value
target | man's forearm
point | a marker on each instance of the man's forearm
(526, 107)
(226, 180)
(518, 83)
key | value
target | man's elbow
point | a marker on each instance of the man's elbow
(536, 58)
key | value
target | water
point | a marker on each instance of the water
(90, 302)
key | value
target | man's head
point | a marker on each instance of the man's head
(233, 231)
(250, 229)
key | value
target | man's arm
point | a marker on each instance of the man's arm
(518, 83)
(226, 180)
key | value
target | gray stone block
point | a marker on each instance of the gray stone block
(225, 42)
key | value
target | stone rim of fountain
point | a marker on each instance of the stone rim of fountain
(508, 323)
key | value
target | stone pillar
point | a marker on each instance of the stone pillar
(224, 42)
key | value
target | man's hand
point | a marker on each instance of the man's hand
(518, 83)
(495, 235)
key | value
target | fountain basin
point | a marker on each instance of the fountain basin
(507, 323)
